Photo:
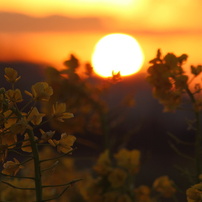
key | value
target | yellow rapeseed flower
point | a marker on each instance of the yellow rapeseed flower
(20, 126)
(41, 91)
(59, 112)
(10, 118)
(142, 194)
(45, 136)
(11, 167)
(103, 165)
(117, 177)
(90, 188)
(194, 193)
(9, 139)
(35, 117)
(11, 75)
(128, 159)
(65, 144)
(165, 186)
(14, 96)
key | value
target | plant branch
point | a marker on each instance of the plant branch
(63, 191)
(13, 186)
(180, 153)
(31, 178)
(62, 185)
(52, 166)
(57, 157)
(59, 195)
(177, 140)
(13, 150)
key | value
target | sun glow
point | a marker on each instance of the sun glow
(73, 8)
(117, 53)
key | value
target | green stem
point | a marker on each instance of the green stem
(38, 183)
(198, 138)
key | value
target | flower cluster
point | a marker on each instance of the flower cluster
(168, 79)
(170, 84)
(60, 171)
(114, 177)
(194, 193)
(114, 180)
(164, 186)
(20, 130)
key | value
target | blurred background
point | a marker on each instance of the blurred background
(36, 34)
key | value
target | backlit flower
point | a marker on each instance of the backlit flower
(194, 193)
(41, 91)
(14, 96)
(46, 135)
(165, 186)
(10, 118)
(35, 117)
(11, 167)
(142, 194)
(19, 127)
(11, 75)
(9, 139)
(65, 144)
(59, 112)
(117, 177)
(103, 165)
(128, 159)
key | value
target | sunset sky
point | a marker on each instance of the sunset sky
(49, 30)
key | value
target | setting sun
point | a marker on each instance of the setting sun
(117, 53)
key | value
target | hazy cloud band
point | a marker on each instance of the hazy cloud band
(14, 22)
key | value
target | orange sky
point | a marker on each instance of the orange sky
(49, 30)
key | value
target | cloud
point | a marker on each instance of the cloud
(15, 22)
